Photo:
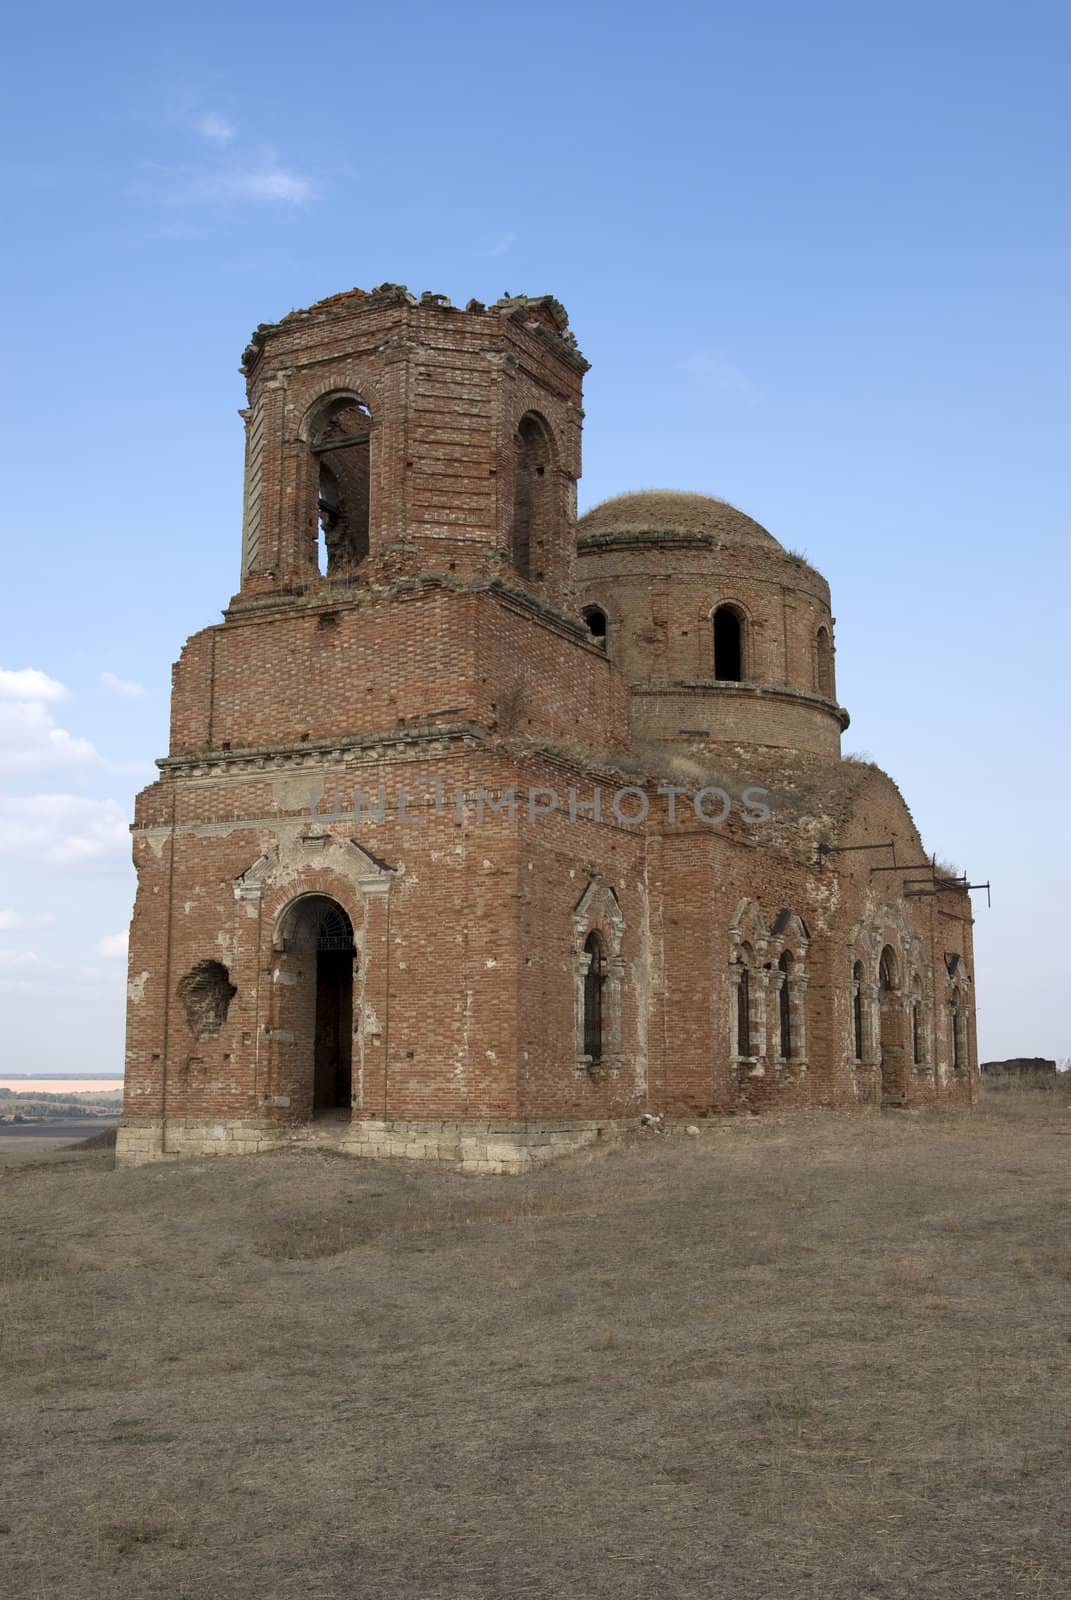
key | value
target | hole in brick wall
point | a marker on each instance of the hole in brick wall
(327, 619)
(206, 993)
(595, 617)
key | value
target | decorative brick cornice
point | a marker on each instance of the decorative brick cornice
(396, 746)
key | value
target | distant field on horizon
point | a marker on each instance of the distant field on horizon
(45, 1085)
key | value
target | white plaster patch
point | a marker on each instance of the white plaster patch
(135, 989)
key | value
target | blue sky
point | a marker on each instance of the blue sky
(817, 255)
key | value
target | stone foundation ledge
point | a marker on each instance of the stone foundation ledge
(488, 1147)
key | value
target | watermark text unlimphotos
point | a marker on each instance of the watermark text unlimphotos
(629, 807)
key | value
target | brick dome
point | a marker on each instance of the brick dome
(662, 514)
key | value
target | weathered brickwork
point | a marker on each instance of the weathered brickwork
(471, 848)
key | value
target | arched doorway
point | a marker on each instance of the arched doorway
(318, 956)
(890, 1003)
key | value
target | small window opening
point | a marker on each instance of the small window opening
(595, 617)
(594, 985)
(343, 450)
(785, 1007)
(916, 1032)
(957, 1045)
(857, 1009)
(728, 645)
(743, 1012)
(887, 970)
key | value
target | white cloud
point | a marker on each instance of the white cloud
(121, 685)
(27, 683)
(504, 242)
(10, 959)
(15, 919)
(62, 829)
(112, 947)
(716, 375)
(210, 125)
(31, 741)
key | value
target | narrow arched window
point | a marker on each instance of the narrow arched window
(342, 448)
(532, 491)
(595, 617)
(916, 1032)
(857, 1010)
(887, 970)
(956, 1030)
(728, 644)
(824, 663)
(594, 985)
(743, 1010)
(784, 1003)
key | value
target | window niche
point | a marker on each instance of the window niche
(957, 1019)
(342, 450)
(749, 983)
(858, 1028)
(823, 649)
(729, 644)
(533, 498)
(594, 986)
(599, 969)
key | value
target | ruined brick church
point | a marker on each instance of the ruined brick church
(485, 832)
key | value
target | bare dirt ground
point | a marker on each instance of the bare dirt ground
(817, 1356)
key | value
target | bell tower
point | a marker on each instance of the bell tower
(409, 532)
(389, 436)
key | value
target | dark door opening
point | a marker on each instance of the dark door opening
(332, 1069)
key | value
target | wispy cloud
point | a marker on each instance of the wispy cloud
(503, 244)
(62, 829)
(10, 920)
(211, 126)
(113, 946)
(11, 959)
(121, 685)
(32, 741)
(716, 375)
(251, 183)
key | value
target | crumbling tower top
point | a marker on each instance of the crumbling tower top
(391, 435)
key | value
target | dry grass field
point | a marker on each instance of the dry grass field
(816, 1356)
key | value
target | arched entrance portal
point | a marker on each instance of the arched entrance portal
(318, 957)
(332, 1086)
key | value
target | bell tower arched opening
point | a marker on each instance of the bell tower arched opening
(533, 491)
(342, 448)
